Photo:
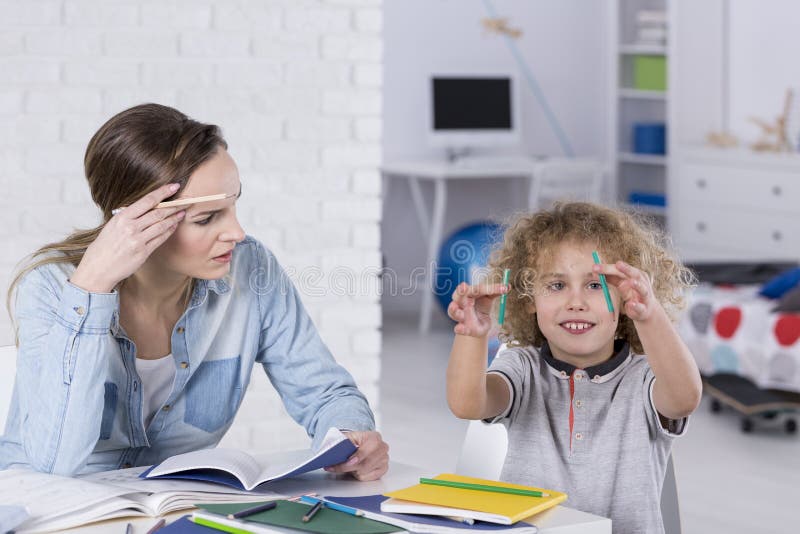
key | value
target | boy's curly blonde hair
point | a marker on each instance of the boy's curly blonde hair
(531, 239)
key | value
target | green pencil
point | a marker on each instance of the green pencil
(482, 487)
(603, 283)
(219, 526)
(502, 315)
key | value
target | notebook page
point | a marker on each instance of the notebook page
(50, 495)
(238, 463)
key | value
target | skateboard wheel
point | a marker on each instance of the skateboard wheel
(716, 407)
(747, 426)
(791, 426)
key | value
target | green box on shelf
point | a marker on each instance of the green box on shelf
(650, 73)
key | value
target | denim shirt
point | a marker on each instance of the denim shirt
(77, 401)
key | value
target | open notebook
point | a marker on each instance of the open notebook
(238, 469)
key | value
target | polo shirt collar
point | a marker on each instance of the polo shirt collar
(621, 352)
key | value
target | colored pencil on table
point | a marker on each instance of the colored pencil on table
(482, 487)
(253, 510)
(311, 513)
(332, 505)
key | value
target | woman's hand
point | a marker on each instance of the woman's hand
(638, 301)
(126, 241)
(370, 461)
(471, 307)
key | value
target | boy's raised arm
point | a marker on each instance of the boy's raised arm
(678, 387)
(471, 393)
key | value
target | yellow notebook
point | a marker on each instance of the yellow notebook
(502, 508)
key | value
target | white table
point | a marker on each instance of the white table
(558, 520)
(439, 172)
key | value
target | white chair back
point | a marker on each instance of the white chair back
(566, 180)
(8, 369)
(484, 451)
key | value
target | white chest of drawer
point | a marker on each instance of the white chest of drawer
(736, 206)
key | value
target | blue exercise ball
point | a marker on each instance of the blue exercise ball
(462, 256)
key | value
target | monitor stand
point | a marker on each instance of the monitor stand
(454, 154)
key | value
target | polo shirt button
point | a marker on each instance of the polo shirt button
(184, 365)
(596, 378)
(80, 310)
(563, 374)
(578, 435)
(165, 407)
(180, 330)
(578, 403)
(578, 376)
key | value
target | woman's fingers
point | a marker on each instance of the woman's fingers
(155, 215)
(149, 201)
(161, 229)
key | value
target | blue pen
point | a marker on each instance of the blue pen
(603, 283)
(332, 505)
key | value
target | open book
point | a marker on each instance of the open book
(482, 505)
(240, 470)
(55, 503)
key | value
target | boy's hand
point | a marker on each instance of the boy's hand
(471, 306)
(638, 301)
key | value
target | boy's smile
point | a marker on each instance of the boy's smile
(571, 310)
(577, 327)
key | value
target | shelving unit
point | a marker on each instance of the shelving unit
(635, 173)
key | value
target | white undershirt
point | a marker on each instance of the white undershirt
(157, 377)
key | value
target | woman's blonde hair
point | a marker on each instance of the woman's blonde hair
(530, 242)
(133, 153)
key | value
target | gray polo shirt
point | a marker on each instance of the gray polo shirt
(593, 433)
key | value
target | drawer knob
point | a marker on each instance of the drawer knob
(776, 190)
(776, 235)
(701, 183)
(701, 226)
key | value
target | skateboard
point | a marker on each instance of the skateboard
(751, 401)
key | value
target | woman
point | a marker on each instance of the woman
(137, 338)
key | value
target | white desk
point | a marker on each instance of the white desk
(581, 176)
(439, 172)
(558, 520)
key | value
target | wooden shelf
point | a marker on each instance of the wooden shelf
(642, 159)
(647, 208)
(641, 49)
(626, 92)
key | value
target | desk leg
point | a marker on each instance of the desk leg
(434, 239)
(419, 206)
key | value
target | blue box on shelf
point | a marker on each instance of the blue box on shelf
(650, 138)
(647, 199)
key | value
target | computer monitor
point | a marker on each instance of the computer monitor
(474, 111)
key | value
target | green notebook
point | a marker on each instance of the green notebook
(289, 514)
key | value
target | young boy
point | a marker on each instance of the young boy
(591, 398)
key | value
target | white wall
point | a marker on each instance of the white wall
(296, 87)
(734, 60)
(564, 45)
(762, 61)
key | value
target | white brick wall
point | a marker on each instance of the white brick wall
(296, 87)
